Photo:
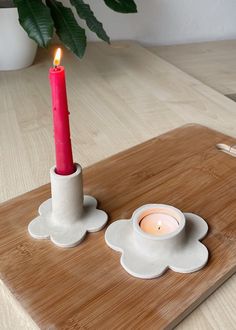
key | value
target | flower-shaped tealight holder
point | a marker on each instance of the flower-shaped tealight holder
(68, 215)
(146, 255)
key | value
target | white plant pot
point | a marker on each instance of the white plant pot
(17, 50)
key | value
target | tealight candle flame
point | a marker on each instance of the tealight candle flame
(159, 223)
(57, 58)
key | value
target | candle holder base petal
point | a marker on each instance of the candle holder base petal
(71, 234)
(188, 256)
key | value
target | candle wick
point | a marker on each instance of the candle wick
(159, 227)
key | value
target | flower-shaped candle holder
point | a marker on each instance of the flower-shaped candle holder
(68, 215)
(175, 245)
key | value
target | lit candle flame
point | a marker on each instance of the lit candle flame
(57, 58)
(159, 224)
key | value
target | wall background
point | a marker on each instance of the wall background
(164, 22)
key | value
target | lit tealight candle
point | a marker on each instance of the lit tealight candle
(158, 224)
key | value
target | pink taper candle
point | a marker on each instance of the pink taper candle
(64, 157)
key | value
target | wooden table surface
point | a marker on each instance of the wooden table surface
(213, 63)
(119, 96)
(85, 287)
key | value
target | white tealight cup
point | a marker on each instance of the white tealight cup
(158, 237)
(158, 226)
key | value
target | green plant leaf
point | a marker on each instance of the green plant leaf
(122, 6)
(84, 11)
(67, 28)
(36, 20)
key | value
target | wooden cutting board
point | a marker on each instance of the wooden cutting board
(85, 287)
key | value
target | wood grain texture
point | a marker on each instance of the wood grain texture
(85, 287)
(12, 315)
(213, 63)
(119, 96)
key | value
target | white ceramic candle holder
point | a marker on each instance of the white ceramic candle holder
(68, 215)
(147, 256)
